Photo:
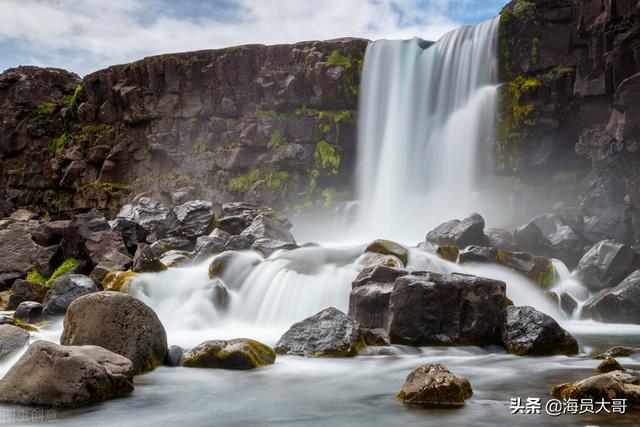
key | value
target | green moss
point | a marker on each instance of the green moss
(627, 199)
(199, 147)
(46, 109)
(266, 113)
(325, 128)
(338, 59)
(327, 157)
(37, 277)
(304, 111)
(345, 116)
(535, 45)
(276, 140)
(329, 196)
(62, 269)
(351, 61)
(57, 143)
(244, 182)
(525, 11)
(192, 122)
(113, 189)
(314, 174)
(278, 180)
(506, 43)
(71, 101)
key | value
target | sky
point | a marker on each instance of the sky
(87, 35)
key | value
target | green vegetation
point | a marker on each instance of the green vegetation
(329, 195)
(37, 277)
(57, 143)
(627, 199)
(345, 116)
(338, 59)
(199, 147)
(525, 11)
(278, 180)
(192, 122)
(243, 183)
(111, 188)
(46, 109)
(351, 62)
(266, 113)
(535, 45)
(327, 157)
(71, 101)
(276, 140)
(62, 269)
(506, 43)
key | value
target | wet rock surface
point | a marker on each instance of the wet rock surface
(434, 385)
(64, 291)
(618, 304)
(12, 339)
(238, 353)
(612, 385)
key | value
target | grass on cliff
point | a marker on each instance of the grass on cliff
(66, 266)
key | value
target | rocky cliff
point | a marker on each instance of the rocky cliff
(269, 124)
(569, 127)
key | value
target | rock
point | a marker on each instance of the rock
(173, 356)
(118, 281)
(612, 385)
(23, 215)
(329, 333)
(159, 247)
(23, 290)
(66, 376)
(434, 385)
(539, 269)
(605, 265)
(609, 364)
(132, 233)
(208, 246)
(238, 353)
(221, 262)
(89, 236)
(113, 261)
(120, 323)
(158, 220)
(174, 258)
(567, 303)
(445, 309)
(99, 245)
(618, 305)
(264, 227)
(387, 247)
(12, 339)
(371, 259)
(501, 239)
(145, 260)
(268, 246)
(219, 294)
(237, 208)
(196, 218)
(376, 337)
(233, 225)
(29, 312)
(469, 231)
(528, 332)
(19, 255)
(49, 233)
(239, 242)
(618, 351)
(449, 253)
(64, 290)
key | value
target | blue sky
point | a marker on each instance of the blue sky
(87, 35)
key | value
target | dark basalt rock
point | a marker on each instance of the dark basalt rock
(12, 339)
(113, 261)
(29, 312)
(469, 231)
(175, 258)
(605, 265)
(238, 353)
(527, 332)
(64, 290)
(537, 268)
(269, 235)
(23, 290)
(145, 260)
(435, 385)
(609, 364)
(158, 220)
(66, 376)
(132, 233)
(208, 246)
(387, 247)
(49, 233)
(329, 333)
(501, 239)
(196, 218)
(619, 351)
(174, 354)
(233, 225)
(120, 323)
(446, 309)
(19, 255)
(616, 305)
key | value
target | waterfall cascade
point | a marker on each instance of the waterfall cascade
(426, 111)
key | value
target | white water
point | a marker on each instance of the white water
(425, 114)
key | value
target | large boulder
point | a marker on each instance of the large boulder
(12, 339)
(233, 225)
(528, 332)
(370, 294)
(208, 246)
(446, 309)
(387, 247)
(618, 305)
(49, 233)
(373, 259)
(196, 218)
(19, 254)
(146, 261)
(59, 376)
(612, 385)
(537, 268)
(64, 290)
(120, 323)
(269, 234)
(238, 353)
(434, 385)
(469, 231)
(619, 351)
(552, 236)
(132, 233)
(24, 290)
(113, 261)
(157, 220)
(28, 312)
(329, 333)
(605, 265)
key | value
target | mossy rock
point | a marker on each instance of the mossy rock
(387, 247)
(118, 281)
(372, 259)
(240, 353)
(448, 252)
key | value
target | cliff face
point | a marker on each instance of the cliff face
(569, 127)
(270, 124)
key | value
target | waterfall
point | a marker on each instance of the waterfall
(426, 110)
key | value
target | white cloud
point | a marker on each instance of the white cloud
(87, 35)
